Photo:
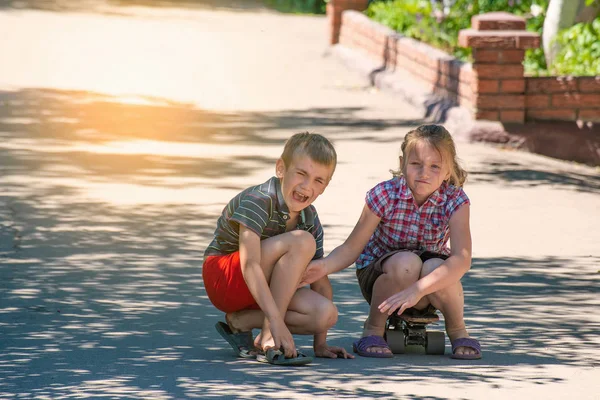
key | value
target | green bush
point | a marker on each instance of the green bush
(298, 6)
(580, 50)
(420, 20)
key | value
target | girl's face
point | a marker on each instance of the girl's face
(302, 182)
(425, 171)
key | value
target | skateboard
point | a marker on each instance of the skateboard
(410, 329)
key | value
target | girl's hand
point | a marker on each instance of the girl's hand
(315, 271)
(401, 300)
(326, 351)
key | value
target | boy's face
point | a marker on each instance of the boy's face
(302, 181)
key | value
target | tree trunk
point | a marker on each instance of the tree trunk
(561, 14)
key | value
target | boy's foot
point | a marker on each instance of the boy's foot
(242, 342)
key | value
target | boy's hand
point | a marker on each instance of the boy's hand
(403, 300)
(326, 351)
(315, 271)
(276, 336)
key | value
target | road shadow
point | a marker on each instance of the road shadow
(55, 134)
(102, 296)
(101, 312)
(515, 173)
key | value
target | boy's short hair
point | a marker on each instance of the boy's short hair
(316, 146)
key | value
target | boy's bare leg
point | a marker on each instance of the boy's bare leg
(283, 260)
(451, 303)
(309, 313)
(400, 271)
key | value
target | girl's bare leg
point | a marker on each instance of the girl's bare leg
(399, 272)
(451, 303)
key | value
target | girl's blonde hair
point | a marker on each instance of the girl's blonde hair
(438, 137)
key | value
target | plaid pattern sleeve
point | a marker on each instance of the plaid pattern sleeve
(378, 199)
(455, 199)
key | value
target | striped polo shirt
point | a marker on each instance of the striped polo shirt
(261, 209)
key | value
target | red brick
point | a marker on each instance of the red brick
(497, 71)
(592, 115)
(497, 21)
(498, 39)
(512, 56)
(487, 114)
(487, 55)
(589, 84)
(487, 86)
(553, 84)
(350, 4)
(552, 115)
(575, 100)
(499, 56)
(496, 102)
(537, 101)
(512, 86)
(512, 116)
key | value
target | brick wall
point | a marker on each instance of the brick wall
(564, 98)
(494, 86)
(441, 73)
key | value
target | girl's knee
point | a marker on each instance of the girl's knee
(403, 267)
(430, 265)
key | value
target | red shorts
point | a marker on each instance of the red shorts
(225, 284)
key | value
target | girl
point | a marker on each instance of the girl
(400, 242)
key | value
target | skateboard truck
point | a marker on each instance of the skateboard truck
(410, 329)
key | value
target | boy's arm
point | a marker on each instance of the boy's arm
(448, 273)
(250, 256)
(345, 254)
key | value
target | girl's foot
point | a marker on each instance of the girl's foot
(462, 351)
(372, 330)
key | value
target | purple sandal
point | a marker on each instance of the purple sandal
(362, 346)
(466, 342)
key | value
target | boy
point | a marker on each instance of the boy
(265, 238)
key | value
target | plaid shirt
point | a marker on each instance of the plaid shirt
(406, 226)
(261, 209)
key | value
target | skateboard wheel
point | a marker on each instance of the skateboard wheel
(395, 339)
(435, 343)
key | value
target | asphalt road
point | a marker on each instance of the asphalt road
(124, 130)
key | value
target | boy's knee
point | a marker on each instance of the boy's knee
(325, 315)
(328, 315)
(303, 242)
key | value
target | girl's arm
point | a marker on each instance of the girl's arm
(448, 273)
(346, 253)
